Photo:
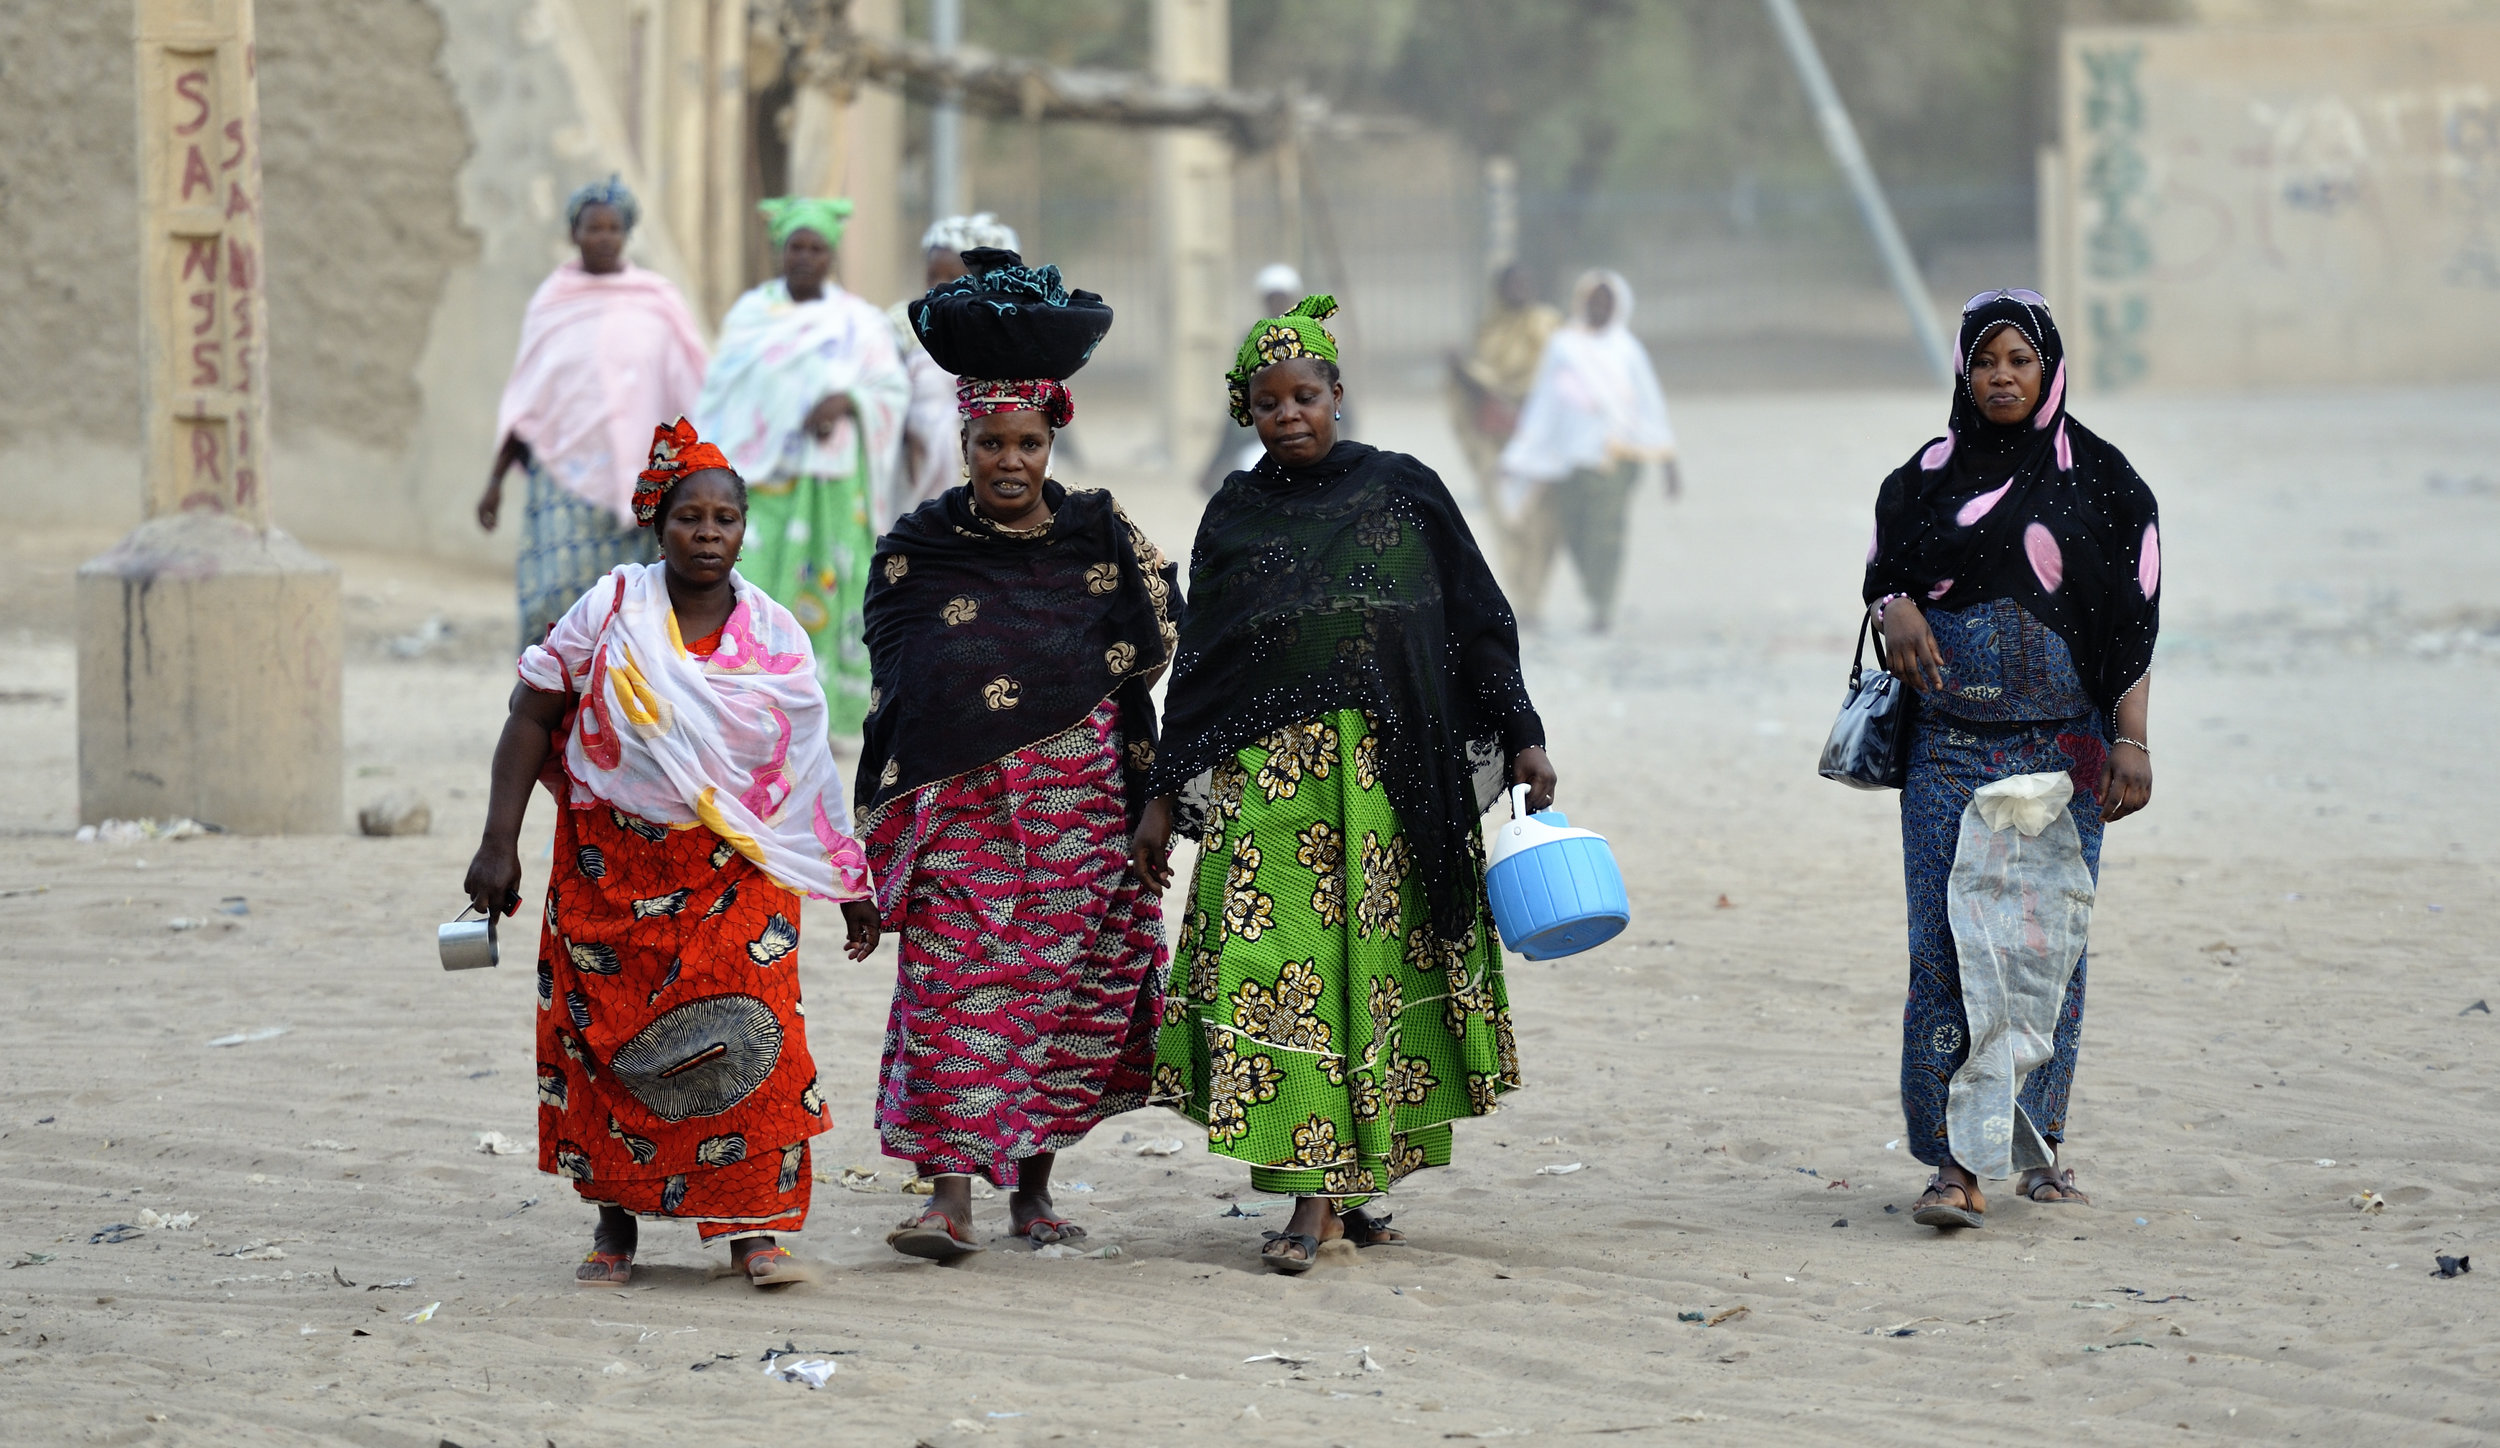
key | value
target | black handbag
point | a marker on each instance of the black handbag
(1869, 747)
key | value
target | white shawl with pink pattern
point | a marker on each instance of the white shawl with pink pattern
(735, 743)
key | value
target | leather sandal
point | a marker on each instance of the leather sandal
(2059, 1186)
(1365, 1230)
(1941, 1213)
(1042, 1231)
(1280, 1262)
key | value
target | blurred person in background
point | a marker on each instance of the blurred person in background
(1346, 704)
(932, 455)
(606, 348)
(1593, 417)
(2015, 573)
(674, 717)
(807, 397)
(1018, 627)
(1489, 383)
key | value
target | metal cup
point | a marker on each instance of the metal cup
(467, 944)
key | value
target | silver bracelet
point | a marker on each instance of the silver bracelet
(2138, 743)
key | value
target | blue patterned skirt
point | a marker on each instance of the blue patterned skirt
(1949, 759)
(566, 546)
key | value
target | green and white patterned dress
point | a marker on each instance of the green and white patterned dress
(1313, 1023)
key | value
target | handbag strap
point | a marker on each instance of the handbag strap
(1857, 661)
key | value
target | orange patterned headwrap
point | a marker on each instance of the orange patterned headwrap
(675, 452)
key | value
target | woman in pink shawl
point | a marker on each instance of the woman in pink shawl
(606, 347)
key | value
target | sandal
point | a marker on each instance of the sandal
(1365, 1230)
(1042, 1231)
(931, 1236)
(2059, 1185)
(781, 1267)
(1941, 1213)
(1290, 1266)
(614, 1269)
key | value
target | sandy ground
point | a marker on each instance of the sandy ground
(2287, 954)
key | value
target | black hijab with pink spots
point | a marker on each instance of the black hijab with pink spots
(2042, 511)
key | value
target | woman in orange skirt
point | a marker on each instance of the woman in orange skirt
(674, 712)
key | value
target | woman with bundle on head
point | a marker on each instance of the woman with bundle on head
(1016, 628)
(1594, 417)
(674, 714)
(2015, 574)
(807, 398)
(1346, 704)
(606, 346)
(932, 456)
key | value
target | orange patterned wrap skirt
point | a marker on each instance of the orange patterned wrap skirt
(674, 1078)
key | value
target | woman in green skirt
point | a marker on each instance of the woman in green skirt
(1346, 704)
(806, 397)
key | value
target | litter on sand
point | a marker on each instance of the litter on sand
(325, 1144)
(2483, 1006)
(1727, 1315)
(2454, 1267)
(1168, 1146)
(171, 1222)
(131, 832)
(2326, 1161)
(245, 1038)
(1062, 1250)
(2369, 1202)
(117, 1232)
(815, 1372)
(1278, 1357)
(2114, 1346)
(495, 1143)
(1690, 1316)
(391, 1286)
(1238, 1210)
(31, 1259)
(234, 905)
(422, 1314)
(1564, 1169)
(1078, 1187)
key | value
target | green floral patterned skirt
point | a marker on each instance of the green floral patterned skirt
(808, 543)
(1313, 1023)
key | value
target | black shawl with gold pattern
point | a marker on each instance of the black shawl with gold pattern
(984, 641)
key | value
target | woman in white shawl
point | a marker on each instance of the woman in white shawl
(606, 347)
(806, 396)
(932, 434)
(674, 714)
(1594, 415)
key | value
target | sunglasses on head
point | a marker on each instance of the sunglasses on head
(2024, 295)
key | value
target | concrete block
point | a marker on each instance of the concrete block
(209, 679)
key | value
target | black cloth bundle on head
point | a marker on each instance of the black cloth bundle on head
(1354, 584)
(2041, 511)
(983, 641)
(1003, 319)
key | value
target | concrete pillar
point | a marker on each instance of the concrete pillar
(208, 641)
(1194, 206)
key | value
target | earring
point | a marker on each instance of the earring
(1339, 416)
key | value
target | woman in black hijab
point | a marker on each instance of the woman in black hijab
(2015, 574)
(1345, 705)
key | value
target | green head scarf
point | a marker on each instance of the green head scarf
(822, 215)
(1297, 333)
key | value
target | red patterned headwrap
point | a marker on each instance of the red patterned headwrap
(675, 452)
(981, 396)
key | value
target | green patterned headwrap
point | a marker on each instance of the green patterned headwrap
(822, 215)
(1297, 333)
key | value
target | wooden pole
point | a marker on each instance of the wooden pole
(208, 641)
(1194, 199)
